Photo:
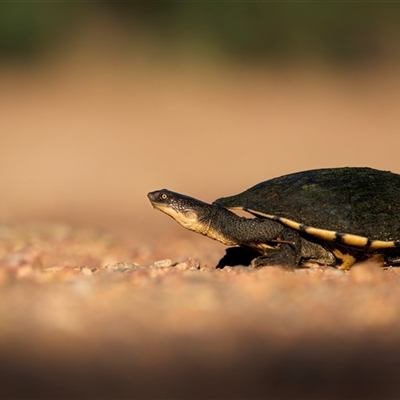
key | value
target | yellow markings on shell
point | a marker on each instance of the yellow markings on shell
(332, 236)
(354, 240)
(319, 233)
(381, 244)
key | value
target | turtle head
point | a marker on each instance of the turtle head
(191, 213)
(213, 220)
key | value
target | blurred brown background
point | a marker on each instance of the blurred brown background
(101, 103)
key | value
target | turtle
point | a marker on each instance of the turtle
(330, 216)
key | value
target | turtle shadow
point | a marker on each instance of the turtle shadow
(235, 256)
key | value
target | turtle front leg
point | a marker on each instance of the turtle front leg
(287, 254)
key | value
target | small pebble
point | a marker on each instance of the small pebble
(189, 264)
(86, 271)
(163, 263)
(122, 267)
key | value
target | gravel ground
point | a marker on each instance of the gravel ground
(85, 314)
(142, 312)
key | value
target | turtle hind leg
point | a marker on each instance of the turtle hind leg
(286, 254)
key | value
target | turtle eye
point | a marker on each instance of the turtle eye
(164, 196)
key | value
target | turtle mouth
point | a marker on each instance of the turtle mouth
(165, 208)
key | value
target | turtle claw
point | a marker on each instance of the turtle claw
(274, 258)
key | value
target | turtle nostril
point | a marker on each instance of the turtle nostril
(152, 195)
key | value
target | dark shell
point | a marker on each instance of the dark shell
(359, 201)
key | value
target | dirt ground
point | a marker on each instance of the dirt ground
(103, 297)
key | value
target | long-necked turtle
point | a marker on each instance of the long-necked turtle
(333, 216)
